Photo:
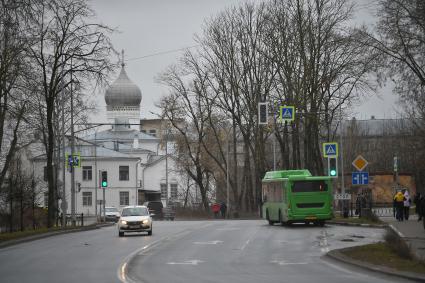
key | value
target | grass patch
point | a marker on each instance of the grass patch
(22, 234)
(384, 255)
(357, 220)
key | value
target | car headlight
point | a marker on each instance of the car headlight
(123, 222)
(146, 221)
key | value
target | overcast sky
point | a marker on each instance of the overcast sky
(148, 27)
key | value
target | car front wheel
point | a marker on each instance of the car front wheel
(120, 234)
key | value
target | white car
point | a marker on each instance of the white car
(135, 219)
(112, 214)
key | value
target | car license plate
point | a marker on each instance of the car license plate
(134, 226)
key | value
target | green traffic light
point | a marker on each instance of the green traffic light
(333, 172)
(104, 184)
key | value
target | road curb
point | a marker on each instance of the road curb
(51, 234)
(338, 255)
(357, 224)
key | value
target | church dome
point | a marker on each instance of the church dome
(123, 92)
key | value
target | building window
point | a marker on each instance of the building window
(143, 131)
(45, 174)
(87, 173)
(124, 198)
(163, 191)
(152, 133)
(87, 199)
(46, 199)
(124, 173)
(173, 191)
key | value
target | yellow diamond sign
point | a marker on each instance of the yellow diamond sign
(360, 163)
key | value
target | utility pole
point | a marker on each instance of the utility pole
(166, 163)
(72, 156)
(64, 205)
(96, 182)
(227, 179)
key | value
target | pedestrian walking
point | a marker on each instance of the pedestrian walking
(406, 204)
(399, 204)
(417, 201)
(223, 208)
(215, 207)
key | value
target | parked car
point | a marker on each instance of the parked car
(112, 214)
(155, 208)
(135, 219)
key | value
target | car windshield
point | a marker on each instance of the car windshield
(134, 211)
(111, 209)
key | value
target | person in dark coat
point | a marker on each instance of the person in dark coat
(223, 208)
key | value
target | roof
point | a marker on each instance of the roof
(123, 92)
(92, 151)
(292, 175)
(380, 127)
(120, 134)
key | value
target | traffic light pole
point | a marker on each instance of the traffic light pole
(103, 203)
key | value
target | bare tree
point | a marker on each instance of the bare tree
(15, 77)
(70, 53)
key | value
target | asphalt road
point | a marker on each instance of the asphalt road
(252, 251)
(90, 256)
(191, 251)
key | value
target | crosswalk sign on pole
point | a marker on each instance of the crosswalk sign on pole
(330, 149)
(287, 113)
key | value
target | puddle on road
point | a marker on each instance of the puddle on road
(347, 240)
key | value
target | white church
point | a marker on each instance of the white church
(139, 165)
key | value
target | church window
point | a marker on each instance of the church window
(87, 199)
(124, 198)
(87, 173)
(163, 191)
(173, 191)
(124, 173)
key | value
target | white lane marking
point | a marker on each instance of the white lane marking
(228, 229)
(282, 262)
(244, 245)
(187, 262)
(208, 243)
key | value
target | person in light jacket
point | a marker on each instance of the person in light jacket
(407, 202)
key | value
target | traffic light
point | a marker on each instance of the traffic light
(104, 179)
(263, 115)
(333, 167)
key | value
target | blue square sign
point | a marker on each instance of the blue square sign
(287, 113)
(330, 149)
(359, 178)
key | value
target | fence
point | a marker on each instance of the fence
(379, 209)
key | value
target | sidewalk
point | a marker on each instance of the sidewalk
(412, 231)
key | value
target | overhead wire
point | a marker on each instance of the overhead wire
(161, 53)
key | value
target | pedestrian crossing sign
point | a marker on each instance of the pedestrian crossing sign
(330, 149)
(287, 113)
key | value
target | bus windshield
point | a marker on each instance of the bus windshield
(309, 186)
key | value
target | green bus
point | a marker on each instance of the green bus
(291, 196)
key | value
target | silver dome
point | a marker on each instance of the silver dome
(123, 92)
